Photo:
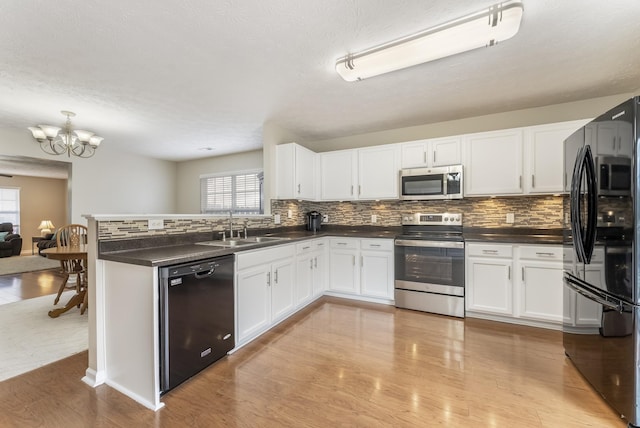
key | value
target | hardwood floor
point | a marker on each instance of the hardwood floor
(342, 363)
(27, 285)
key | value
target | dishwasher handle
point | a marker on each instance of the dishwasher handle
(205, 274)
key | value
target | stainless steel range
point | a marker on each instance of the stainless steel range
(429, 264)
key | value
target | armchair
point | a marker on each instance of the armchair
(10, 243)
(48, 242)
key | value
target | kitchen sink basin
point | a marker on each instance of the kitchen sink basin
(238, 242)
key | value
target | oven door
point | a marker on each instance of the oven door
(430, 266)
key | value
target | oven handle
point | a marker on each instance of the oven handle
(431, 244)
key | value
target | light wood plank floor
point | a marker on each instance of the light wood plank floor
(342, 363)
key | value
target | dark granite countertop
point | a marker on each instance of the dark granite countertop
(170, 250)
(513, 235)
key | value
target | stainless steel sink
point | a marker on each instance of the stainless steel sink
(237, 242)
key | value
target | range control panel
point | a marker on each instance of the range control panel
(442, 219)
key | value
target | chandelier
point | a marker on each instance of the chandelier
(58, 141)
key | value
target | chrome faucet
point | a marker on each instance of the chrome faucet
(231, 224)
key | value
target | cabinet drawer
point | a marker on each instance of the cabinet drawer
(539, 252)
(246, 259)
(598, 255)
(489, 250)
(305, 247)
(349, 243)
(377, 244)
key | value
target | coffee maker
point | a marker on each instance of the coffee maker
(314, 219)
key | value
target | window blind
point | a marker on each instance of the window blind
(10, 207)
(238, 193)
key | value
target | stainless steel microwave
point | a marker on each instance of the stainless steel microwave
(443, 182)
(614, 175)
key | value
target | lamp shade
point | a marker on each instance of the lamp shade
(45, 227)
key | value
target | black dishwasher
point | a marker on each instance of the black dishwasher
(196, 317)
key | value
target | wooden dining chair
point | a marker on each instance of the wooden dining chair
(71, 235)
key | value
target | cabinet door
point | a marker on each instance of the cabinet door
(282, 291)
(319, 273)
(607, 135)
(544, 157)
(414, 154)
(305, 177)
(625, 139)
(343, 271)
(489, 286)
(445, 151)
(541, 291)
(337, 175)
(493, 163)
(304, 279)
(572, 146)
(285, 171)
(378, 170)
(376, 279)
(253, 301)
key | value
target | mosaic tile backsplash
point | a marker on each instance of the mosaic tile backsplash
(529, 211)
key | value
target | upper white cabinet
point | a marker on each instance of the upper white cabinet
(295, 172)
(543, 155)
(431, 152)
(614, 138)
(370, 173)
(339, 179)
(378, 172)
(493, 163)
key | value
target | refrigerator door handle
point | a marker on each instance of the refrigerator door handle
(574, 200)
(592, 205)
(592, 293)
(584, 243)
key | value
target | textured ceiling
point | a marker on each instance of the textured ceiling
(167, 79)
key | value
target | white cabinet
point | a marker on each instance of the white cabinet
(431, 152)
(489, 285)
(310, 270)
(544, 148)
(540, 286)
(378, 172)
(264, 289)
(338, 171)
(370, 173)
(362, 267)
(295, 172)
(376, 266)
(572, 146)
(343, 270)
(614, 138)
(493, 163)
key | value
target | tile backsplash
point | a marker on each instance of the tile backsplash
(529, 211)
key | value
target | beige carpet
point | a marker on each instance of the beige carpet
(29, 338)
(16, 264)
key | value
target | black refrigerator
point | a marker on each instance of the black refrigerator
(601, 296)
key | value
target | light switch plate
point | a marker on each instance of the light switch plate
(511, 218)
(276, 219)
(289, 214)
(374, 218)
(155, 223)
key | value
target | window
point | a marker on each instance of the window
(240, 193)
(10, 207)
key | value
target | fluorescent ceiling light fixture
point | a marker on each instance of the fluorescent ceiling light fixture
(484, 28)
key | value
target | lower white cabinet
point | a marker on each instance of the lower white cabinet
(585, 313)
(264, 289)
(488, 285)
(516, 283)
(362, 267)
(310, 270)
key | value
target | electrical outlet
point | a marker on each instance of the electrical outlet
(276, 219)
(325, 218)
(289, 214)
(155, 223)
(374, 218)
(511, 218)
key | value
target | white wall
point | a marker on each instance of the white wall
(188, 175)
(111, 182)
(585, 109)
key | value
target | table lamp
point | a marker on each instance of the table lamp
(45, 227)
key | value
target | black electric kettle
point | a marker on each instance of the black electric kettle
(314, 219)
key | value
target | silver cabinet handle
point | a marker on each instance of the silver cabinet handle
(509, 273)
(434, 156)
(321, 244)
(614, 143)
(341, 243)
(361, 262)
(489, 251)
(543, 254)
(523, 275)
(425, 157)
(520, 183)
(305, 248)
(374, 245)
(359, 189)
(275, 279)
(533, 181)
(298, 188)
(269, 279)
(310, 263)
(352, 189)
(315, 262)
(354, 260)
